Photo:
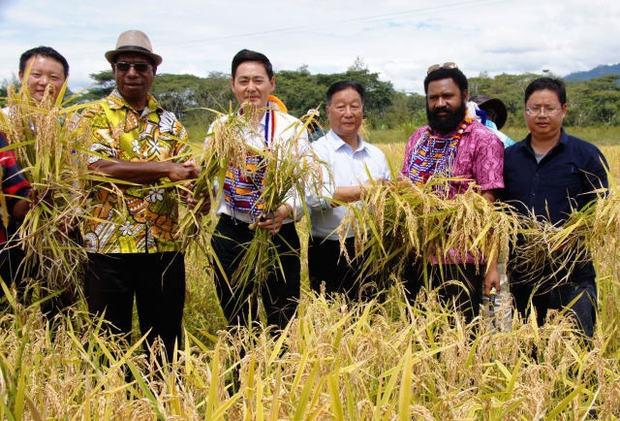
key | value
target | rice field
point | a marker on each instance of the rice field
(335, 360)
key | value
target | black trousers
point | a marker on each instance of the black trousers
(14, 272)
(465, 294)
(279, 294)
(326, 264)
(158, 282)
(579, 285)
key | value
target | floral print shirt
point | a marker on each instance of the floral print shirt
(126, 218)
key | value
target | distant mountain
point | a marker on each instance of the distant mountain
(598, 71)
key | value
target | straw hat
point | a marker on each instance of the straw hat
(495, 105)
(133, 41)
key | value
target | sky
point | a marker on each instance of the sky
(398, 39)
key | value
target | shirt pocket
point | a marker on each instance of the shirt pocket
(565, 177)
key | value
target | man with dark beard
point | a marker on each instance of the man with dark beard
(454, 146)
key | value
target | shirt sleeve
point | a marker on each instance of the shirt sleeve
(386, 172)
(595, 175)
(303, 152)
(321, 187)
(182, 151)
(15, 186)
(488, 166)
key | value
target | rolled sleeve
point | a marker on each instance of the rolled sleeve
(488, 167)
(321, 186)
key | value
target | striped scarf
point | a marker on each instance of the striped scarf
(244, 186)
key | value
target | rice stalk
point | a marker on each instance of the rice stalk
(399, 220)
(286, 172)
(225, 148)
(586, 233)
(49, 149)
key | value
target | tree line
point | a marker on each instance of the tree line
(594, 102)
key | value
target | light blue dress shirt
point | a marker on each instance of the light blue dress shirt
(342, 166)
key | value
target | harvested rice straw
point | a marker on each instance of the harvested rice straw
(288, 172)
(561, 247)
(226, 147)
(4, 211)
(398, 219)
(49, 153)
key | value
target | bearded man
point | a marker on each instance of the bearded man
(454, 146)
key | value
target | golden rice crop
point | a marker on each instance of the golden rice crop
(336, 360)
(399, 219)
(50, 150)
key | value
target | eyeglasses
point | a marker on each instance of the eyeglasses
(446, 65)
(532, 111)
(139, 67)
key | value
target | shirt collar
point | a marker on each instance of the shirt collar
(116, 102)
(527, 142)
(336, 142)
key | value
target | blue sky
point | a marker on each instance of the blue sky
(397, 38)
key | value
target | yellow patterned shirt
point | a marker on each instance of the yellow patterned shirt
(129, 218)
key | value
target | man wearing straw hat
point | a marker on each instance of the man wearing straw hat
(130, 235)
(458, 147)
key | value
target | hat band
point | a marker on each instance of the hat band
(134, 48)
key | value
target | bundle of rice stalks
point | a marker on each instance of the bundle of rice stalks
(400, 220)
(558, 249)
(50, 155)
(281, 169)
(287, 173)
(226, 148)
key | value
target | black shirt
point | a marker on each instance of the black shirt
(564, 179)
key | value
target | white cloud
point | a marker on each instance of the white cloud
(397, 38)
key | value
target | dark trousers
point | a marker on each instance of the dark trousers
(13, 271)
(579, 285)
(465, 293)
(158, 282)
(326, 264)
(280, 292)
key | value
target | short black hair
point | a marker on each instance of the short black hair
(249, 55)
(444, 73)
(341, 85)
(45, 52)
(552, 84)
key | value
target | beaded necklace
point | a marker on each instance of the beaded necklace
(434, 155)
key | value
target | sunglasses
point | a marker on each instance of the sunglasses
(140, 67)
(447, 65)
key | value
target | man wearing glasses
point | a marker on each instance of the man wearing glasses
(550, 173)
(453, 146)
(130, 234)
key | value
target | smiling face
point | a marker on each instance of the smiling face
(43, 71)
(544, 114)
(251, 84)
(445, 105)
(345, 113)
(132, 84)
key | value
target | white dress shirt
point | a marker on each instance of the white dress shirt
(342, 166)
